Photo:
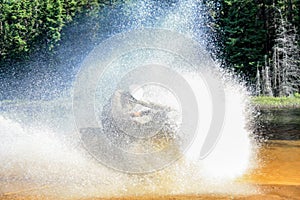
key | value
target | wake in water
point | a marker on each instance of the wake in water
(40, 158)
(39, 147)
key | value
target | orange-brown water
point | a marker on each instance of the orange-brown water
(276, 177)
(280, 164)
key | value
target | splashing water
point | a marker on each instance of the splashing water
(40, 149)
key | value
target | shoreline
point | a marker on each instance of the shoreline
(266, 102)
(275, 107)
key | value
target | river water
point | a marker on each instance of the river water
(48, 168)
(41, 156)
(279, 124)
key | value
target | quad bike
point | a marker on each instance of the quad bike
(152, 130)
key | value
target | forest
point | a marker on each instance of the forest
(258, 39)
(27, 23)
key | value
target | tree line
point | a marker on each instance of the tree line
(256, 38)
(27, 23)
(259, 39)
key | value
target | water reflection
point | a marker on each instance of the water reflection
(279, 124)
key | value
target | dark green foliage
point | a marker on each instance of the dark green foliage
(17, 17)
(25, 23)
(245, 30)
(243, 35)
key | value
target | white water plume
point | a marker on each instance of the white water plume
(42, 158)
(35, 156)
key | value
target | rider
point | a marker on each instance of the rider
(124, 114)
(123, 104)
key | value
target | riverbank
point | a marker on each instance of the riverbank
(276, 102)
(258, 101)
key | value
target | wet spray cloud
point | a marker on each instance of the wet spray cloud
(45, 151)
